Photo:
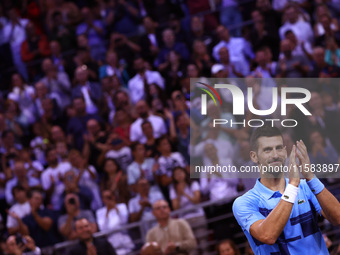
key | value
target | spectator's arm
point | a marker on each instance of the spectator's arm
(189, 242)
(44, 222)
(26, 54)
(23, 229)
(165, 180)
(196, 198)
(66, 229)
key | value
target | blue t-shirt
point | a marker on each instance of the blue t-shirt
(301, 235)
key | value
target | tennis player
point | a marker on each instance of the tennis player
(279, 215)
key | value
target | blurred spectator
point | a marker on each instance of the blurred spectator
(157, 123)
(63, 62)
(112, 68)
(150, 144)
(150, 41)
(67, 222)
(115, 180)
(122, 122)
(179, 237)
(321, 10)
(94, 30)
(332, 54)
(142, 167)
(151, 248)
(230, 14)
(113, 216)
(301, 28)
(169, 45)
(199, 33)
(23, 94)
(140, 205)
(33, 49)
(51, 178)
(86, 176)
(201, 58)
(34, 167)
(70, 12)
(322, 69)
(228, 247)
(57, 82)
(234, 70)
(39, 223)
(19, 210)
(322, 152)
(142, 79)
(20, 178)
(93, 138)
(14, 32)
(61, 32)
(239, 51)
(76, 126)
(90, 91)
(272, 18)
(329, 32)
(25, 246)
(299, 48)
(291, 66)
(89, 245)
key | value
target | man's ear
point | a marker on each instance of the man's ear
(253, 156)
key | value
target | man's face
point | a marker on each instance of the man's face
(139, 65)
(142, 109)
(226, 249)
(143, 187)
(83, 229)
(52, 157)
(161, 210)
(93, 127)
(36, 200)
(168, 38)
(270, 153)
(79, 105)
(20, 170)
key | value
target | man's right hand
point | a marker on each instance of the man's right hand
(294, 174)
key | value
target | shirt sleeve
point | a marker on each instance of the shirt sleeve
(172, 191)
(246, 211)
(311, 196)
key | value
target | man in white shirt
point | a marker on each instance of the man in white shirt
(238, 48)
(158, 125)
(51, 178)
(19, 210)
(302, 29)
(143, 77)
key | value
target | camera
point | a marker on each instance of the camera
(72, 201)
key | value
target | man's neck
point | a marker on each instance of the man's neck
(274, 184)
(163, 223)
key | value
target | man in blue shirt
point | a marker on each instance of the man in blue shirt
(278, 215)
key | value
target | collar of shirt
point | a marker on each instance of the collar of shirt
(265, 192)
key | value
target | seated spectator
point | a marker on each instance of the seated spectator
(151, 248)
(83, 58)
(332, 54)
(20, 178)
(88, 245)
(231, 14)
(320, 67)
(86, 176)
(57, 82)
(23, 94)
(228, 247)
(92, 140)
(51, 178)
(322, 9)
(140, 205)
(150, 144)
(115, 180)
(34, 167)
(142, 78)
(122, 122)
(66, 222)
(25, 247)
(39, 223)
(41, 93)
(141, 167)
(169, 45)
(94, 30)
(111, 68)
(57, 135)
(76, 126)
(9, 150)
(117, 149)
(181, 239)
(291, 66)
(234, 70)
(167, 161)
(90, 91)
(61, 32)
(113, 216)
(62, 62)
(329, 32)
(299, 48)
(201, 57)
(239, 51)
(199, 33)
(150, 41)
(158, 125)
(33, 48)
(322, 151)
(301, 28)
(17, 211)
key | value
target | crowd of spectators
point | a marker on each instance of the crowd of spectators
(96, 118)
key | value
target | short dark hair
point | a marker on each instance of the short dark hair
(231, 243)
(264, 131)
(17, 188)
